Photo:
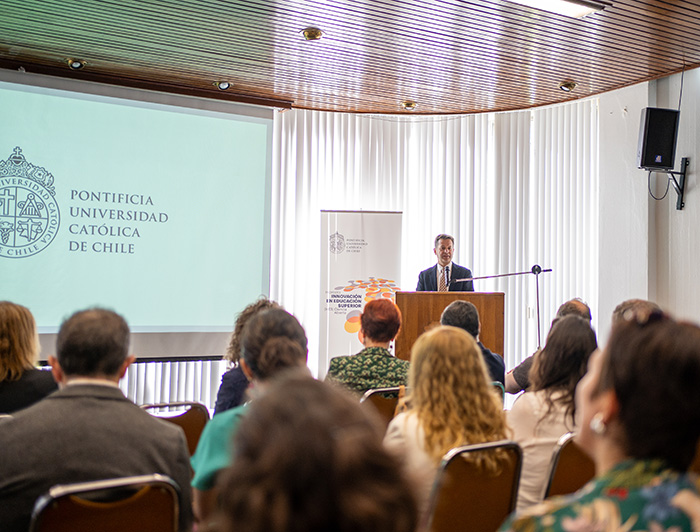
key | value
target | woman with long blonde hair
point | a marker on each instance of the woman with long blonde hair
(452, 402)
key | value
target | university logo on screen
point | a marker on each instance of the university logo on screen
(29, 215)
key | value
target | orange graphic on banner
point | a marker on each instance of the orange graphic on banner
(374, 288)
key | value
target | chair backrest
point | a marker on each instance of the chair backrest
(467, 497)
(147, 503)
(384, 400)
(570, 469)
(190, 416)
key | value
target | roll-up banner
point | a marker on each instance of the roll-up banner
(360, 261)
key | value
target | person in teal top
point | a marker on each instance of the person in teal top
(213, 450)
(273, 340)
(640, 421)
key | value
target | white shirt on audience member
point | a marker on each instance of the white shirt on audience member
(537, 438)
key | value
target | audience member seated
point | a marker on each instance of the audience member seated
(87, 430)
(633, 307)
(234, 383)
(272, 340)
(541, 416)
(452, 403)
(518, 379)
(21, 384)
(307, 458)
(639, 420)
(464, 315)
(374, 366)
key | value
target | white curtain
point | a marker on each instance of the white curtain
(515, 189)
(169, 382)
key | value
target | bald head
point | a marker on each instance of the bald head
(632, 308)
(574, 307)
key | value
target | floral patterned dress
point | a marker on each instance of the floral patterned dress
(371, 368)
(634, 496)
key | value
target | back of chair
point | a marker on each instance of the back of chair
(192, 419)
(570, 469)
(384, 400)
(147, 503)
(467, 497)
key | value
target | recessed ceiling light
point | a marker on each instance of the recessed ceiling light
(409, 105)
(312, 34)
(222, 85)
(569, 8)
(567, 86)
(76, 64)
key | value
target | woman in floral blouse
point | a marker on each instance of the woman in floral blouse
(374, 366)
(639, 418)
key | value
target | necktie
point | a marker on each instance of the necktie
(443, 279)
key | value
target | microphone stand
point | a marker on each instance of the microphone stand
(536, 271)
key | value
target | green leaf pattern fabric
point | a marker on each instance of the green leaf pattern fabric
(634, 496)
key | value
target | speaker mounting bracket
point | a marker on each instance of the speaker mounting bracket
(679, 184)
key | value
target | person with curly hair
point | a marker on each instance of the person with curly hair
(545, 412)
(273, 340)
(234, 383)
(452, 402)
(308, 458)
(21, 383)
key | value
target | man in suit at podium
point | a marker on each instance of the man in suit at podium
(442, 276)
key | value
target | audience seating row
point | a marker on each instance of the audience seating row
(463, 497)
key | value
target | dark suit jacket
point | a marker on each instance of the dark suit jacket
(494, 363)
(427, 280)
(80, 433)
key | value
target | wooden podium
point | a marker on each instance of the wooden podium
(421, 311)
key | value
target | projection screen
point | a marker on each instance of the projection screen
(155, 206)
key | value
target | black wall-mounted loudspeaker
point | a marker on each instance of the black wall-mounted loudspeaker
(658, 130)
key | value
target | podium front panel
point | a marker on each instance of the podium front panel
(421, 311)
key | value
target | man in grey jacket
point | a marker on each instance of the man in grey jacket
(87, 430)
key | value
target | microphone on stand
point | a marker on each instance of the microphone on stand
(536, 270)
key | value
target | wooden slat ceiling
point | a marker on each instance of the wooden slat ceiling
(450, 56)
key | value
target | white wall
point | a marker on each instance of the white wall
(648, 249)
(677, 250)
(623, 205)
